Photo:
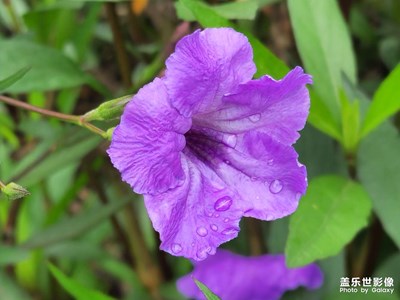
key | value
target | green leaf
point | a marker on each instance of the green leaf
(242, 10)
(350, 123)
(11, 255)
(75, 226)
(385, 103)
(325, 47)
(50, 69)
(65, 154)
(378, 169)
(321, 118)
(206, 291)
(328, 217)
(10, 289)
(5, 83)
(74, 288)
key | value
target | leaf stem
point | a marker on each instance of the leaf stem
(148, 271)
(78, 120)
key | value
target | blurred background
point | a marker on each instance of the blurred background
(82, 232)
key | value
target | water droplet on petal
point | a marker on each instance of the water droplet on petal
(276, 186)
(253, 178)
(214, 227)
(202, 252)
(226, 220)
(216, 215)
(193, 244)
(230, 140)
(223, 204)
(230, 230)
(227, 162)
(176, 248)
(201, 231)
(255, 118)
(209, 214)
(270, 162)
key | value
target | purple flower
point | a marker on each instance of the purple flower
(207, 145)
(235, 277)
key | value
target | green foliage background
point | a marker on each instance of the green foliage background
(82, 233)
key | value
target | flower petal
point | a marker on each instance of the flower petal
(206, 65)
(146, 146)
(195, 218)
(265, 174)
(277, 108)
(236, 277)
(226, 178)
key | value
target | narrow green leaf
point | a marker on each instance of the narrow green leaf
(385, 103)
(325, 47)
(9, 81)
(321, 118)
(65, 154)
(378, 169)
(350, 123)
(328, 217)
(75, 226)
(12, 255)
(50, 69)
(11, 289)
(206, 291)
(242, 10)
(74, 288)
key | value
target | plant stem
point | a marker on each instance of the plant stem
(122, 55)
(2, 185)
(255, 236)
(149, 273)
(13, 15)
(78, 120)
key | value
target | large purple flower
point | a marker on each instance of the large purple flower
(207, 145)
(235, 277)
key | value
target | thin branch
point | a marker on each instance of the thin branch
(78, 120)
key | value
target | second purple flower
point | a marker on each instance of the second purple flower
(207, 145)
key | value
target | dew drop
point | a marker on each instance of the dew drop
(230, 140)
(193, 244)
(176, 248)
(230, 230)
(201, 231)
(227, 162)
(216, 215)
(270, 162)
(214, 227)
(223, 204)
(202, 252)
(276, 186)
(253, 178)
(255, 118)
(209, 214)
(226, 220)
